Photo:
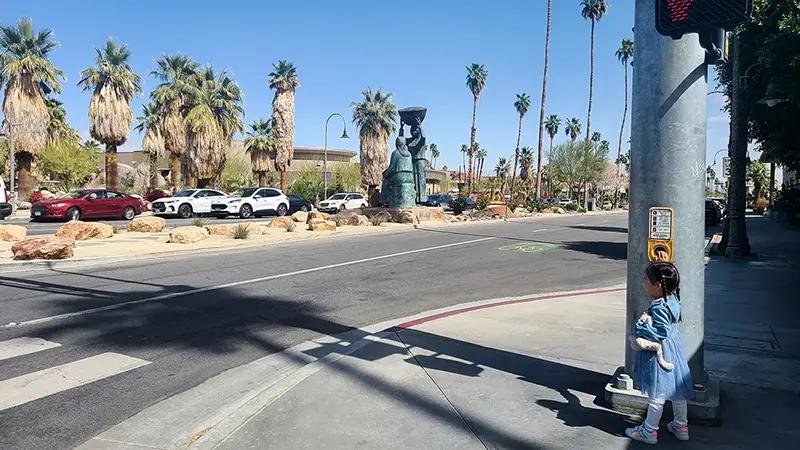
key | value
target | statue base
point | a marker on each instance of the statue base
(423, 213)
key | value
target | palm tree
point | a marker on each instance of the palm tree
(91, 144)
(482, 154)
(150, 123)
(573, 128)
(526, 168)
(174, 72)
(57, 127)
(624, 54)
(434, 154)
(551, 125)
(260, 143)
(522, 105)
(759, 174)
(213, 113)
(27, 76)
(501, 171)
(476, 82)
(284, 80)
(464, 151)
(114, 84)
(593, 10)
(544, 101)
(375, 118)
(596, 137)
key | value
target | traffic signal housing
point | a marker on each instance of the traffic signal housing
(674, 18)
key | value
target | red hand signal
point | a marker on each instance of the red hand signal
(679, 9)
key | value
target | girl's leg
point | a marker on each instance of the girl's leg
(679, 410)
(655, 407)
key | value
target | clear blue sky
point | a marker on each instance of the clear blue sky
(415, 49)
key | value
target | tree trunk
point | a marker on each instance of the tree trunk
(772, 184)
(175, 171)
(516, 159)
(591, 85)
(203, 183)
(191, 181)
(262, 179)
(153, 171)
(24, 185)
(544, 101)
(283, 181)
(621, 133)
(471, 149)
(736, 243)
(112, 175)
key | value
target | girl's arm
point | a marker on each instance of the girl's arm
(659, 329)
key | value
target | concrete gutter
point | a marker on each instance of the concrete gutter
(28, 266)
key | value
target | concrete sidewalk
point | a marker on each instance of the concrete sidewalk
(520, 374)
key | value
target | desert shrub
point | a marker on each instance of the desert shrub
(571, 207)
(199, 222)
(482, 202)
(459, 206)
(581, 209)
(534, 205)
(340, 220)
(242, 231)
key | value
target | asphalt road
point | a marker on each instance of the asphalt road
(45, 228)
(252, 303)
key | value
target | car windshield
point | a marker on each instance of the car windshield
(74, 194)
(186, 193)
(337, 197)
(246, 192)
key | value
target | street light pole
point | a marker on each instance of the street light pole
(325, 163)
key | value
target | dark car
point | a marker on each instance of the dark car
(297, 203)
(439, 200)
(87, 204)
(713, 213)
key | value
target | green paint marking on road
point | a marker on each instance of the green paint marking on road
(529, 247)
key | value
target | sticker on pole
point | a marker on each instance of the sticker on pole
(661, 236)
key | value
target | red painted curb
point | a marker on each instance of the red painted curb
(455, 312)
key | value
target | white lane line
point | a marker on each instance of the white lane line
(36, 385)
(537, 231)
(235, 284)
(24, 346)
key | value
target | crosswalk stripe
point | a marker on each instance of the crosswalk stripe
(24, 346)
(36, 385)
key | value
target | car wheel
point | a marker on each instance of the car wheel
(73, 214)
(363, 205)
(282, 210)
(304, 208)
(245, 212)
(128, 213)
(342, 208)
(185, 211)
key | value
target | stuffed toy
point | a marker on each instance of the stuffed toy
(642, 344)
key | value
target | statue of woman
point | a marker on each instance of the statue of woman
(397, 189)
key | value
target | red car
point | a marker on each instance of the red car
(88, 204)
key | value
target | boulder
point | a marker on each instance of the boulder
(438, 216)
(282, 222)
(149, 224)
(13, 233)
(219, 230)
(300, 217)
(43, 248)
(554, 210)
(321, 225)
(83, 231)
(357, 220)
(318, 215)
(500, 210)
(347, 213)
(407, 217)
(187, 235)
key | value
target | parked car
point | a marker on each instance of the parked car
(187, 203)
(565, 201)
(439, 200)
(251, 202)
(5, 197)
(342, 201)
(713, 213)
(87, 204)
(297, 203)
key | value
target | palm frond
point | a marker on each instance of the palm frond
(476, 78)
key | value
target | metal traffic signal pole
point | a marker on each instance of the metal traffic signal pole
(668, 152)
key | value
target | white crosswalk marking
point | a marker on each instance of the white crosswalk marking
(36, 385)
(24, 346)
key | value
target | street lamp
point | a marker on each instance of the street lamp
(325, 164)
(715, 156)
(771, 98)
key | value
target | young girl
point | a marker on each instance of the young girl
(661, 282)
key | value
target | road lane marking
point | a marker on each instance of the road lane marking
(33, 386)
(236, 283)
(24, 346)
(537, 231)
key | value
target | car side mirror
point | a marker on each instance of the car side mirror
(89, 199)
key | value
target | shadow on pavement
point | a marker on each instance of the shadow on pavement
(599, 228)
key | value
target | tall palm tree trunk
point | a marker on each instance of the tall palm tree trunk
(153, 170)
(112, 174)
(463, 170)
(621, 132)
(544, 101)
(516, 158)
(262, 179)
(24, 185)
(174, 171)
(591, 84)
(472, 142)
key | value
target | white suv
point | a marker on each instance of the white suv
(251, 202)
(341, 202)
(187, 203)
(5, 197)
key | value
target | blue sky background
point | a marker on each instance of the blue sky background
(416, 50)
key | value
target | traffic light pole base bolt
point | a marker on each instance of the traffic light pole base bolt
(621, 396)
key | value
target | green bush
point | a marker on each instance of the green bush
(535, 205)
(572, 207)
(482, 203)
(238, 174)
(68, 164)
(459, 206)
(581, 209)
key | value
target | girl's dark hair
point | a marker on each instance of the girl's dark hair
(666, 274)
